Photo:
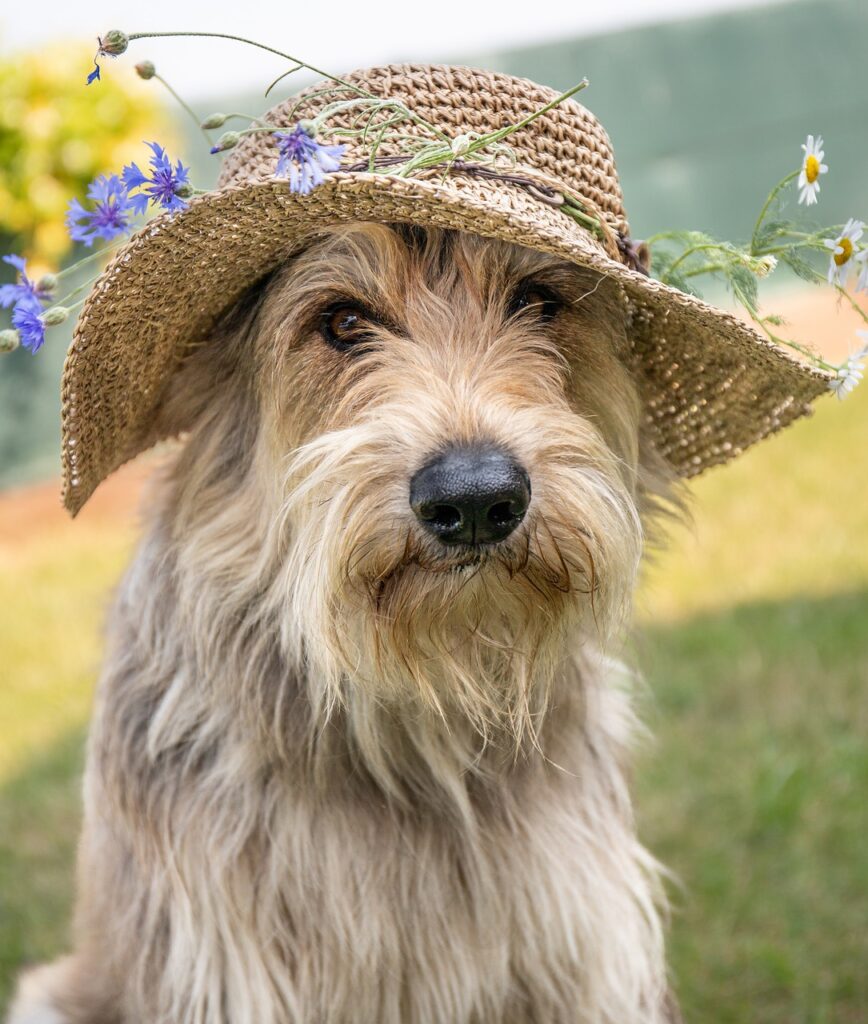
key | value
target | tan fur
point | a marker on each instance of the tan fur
(337, 772)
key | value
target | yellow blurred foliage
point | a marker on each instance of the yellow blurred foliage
(57, 133)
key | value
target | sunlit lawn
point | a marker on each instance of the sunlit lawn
(755, 641)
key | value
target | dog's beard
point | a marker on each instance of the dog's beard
(473, 635)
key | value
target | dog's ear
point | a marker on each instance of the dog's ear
(215, 371)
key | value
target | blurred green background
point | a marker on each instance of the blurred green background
(754, 625)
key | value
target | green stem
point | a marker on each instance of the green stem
(75, 291)
(72, 268)
(279, 53)
(503, 133)
(708, 268)
(782, 184)
(846, 295)
(571, 210)
(185, 106)
(251, 118)
(806, 352)
(250, 42)
(280, 78)
(688, 252)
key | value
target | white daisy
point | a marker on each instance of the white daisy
(812, 168)
(843, 250)
(851, 372)
(765, 265)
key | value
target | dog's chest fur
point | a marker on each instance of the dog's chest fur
(262, 886)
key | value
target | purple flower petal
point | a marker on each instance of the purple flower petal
(159, 188)
(110, 216)
(28, 321)
(24, 288)
(304, 160)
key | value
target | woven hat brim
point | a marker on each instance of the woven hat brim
(712, 386)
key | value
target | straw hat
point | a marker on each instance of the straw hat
(711, 385)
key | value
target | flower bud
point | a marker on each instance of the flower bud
(185, 190)
(226, 141)
(145, 69)
(765, 265)
(54, 316)
(215, 120)
(9, 340)
(114, 43)
(46, 284)
(460, 145)
(308, 127)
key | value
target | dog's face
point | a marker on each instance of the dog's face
(447, 462)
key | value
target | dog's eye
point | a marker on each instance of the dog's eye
(345, 324)
(536, 299)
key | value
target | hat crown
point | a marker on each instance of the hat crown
(567, 143)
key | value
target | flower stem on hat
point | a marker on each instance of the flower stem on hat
(304, 160)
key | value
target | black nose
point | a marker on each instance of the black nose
(473, 495)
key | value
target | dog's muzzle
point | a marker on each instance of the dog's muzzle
(470, 495)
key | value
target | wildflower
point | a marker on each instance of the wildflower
(108, 219)
(27, 319)
(24, 288)
(113, 43)
(161, 187)
(461, 144)
(765, 265)
(145, 69)
(54, 316)
(812, 168)
(843, 250)
(9, 340)
(228, 140)
(216, 120)
(304, 160)
(850, 372)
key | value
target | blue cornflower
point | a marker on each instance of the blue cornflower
(304, 160)
(110, 216)
(94, 75)
(27, 319)
(24, 288)
(162, 187)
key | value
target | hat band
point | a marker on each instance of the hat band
(619, 246)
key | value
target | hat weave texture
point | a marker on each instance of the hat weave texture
(711, 385)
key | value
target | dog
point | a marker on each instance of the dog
(361, 743)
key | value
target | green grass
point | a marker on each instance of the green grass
(755, 792)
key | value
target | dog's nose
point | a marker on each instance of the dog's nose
(472, 495)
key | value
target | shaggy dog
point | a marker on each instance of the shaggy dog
(360, 747)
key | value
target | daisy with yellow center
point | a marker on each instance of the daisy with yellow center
(852, 371)
(812, 168)
(843, 251)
